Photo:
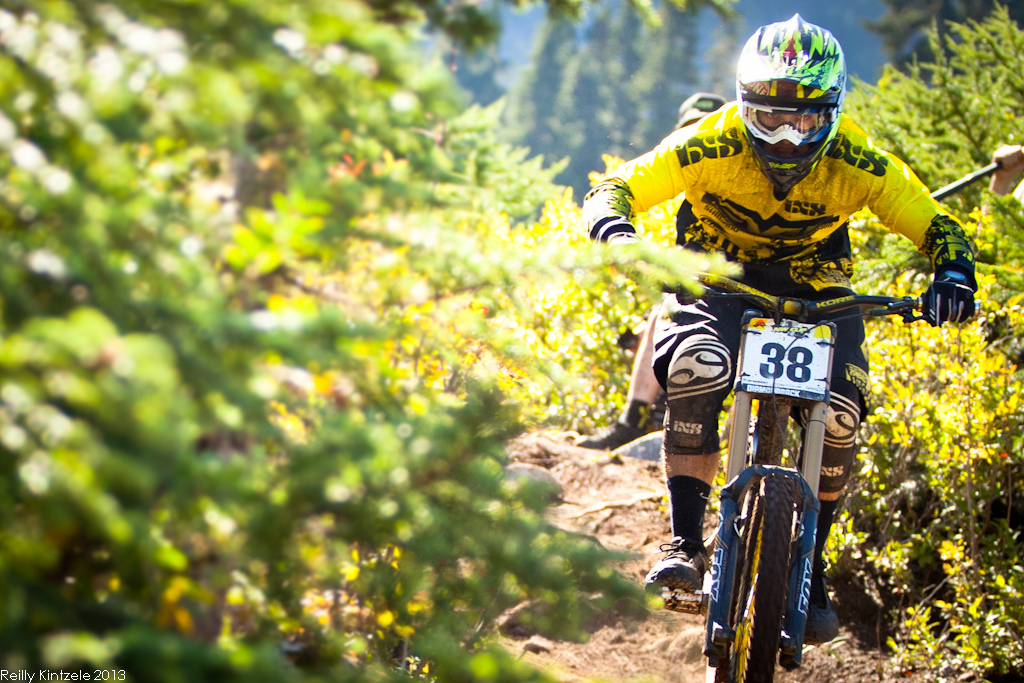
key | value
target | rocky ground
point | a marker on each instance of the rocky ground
(621, 502)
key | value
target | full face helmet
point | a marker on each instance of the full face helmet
(790, 85)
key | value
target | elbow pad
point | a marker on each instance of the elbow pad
(613, 229)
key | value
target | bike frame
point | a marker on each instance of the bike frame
(773, 416)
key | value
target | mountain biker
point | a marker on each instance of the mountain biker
(772, 179)
(637, 417)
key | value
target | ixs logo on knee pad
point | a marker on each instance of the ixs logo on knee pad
(841, 423)
(693, 428)
(700, 366)
(832, 472)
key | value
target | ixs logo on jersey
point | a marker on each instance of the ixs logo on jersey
(713, 146)
(805, 208)
(858, 157)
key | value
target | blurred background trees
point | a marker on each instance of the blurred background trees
(905, 22)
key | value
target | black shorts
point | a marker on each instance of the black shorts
(720, 317)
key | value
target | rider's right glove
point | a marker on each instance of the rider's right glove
(950, 298)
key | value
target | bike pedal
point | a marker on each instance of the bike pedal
(687, 602)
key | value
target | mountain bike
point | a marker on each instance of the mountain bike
(759, 591)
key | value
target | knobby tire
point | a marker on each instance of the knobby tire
(760, 601)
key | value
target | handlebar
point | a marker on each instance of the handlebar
(801, 309)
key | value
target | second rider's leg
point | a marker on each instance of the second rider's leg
(644, 389)
(643, 385)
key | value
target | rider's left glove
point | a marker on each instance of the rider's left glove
(950, 298)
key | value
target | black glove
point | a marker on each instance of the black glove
(950, 298)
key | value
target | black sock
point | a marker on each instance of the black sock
(688, 498)
(825, 517)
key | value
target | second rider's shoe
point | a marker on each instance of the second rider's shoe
(822, 620)
(610, 438)
(634, 423)
(679, 576)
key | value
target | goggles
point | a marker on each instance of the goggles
(797, 125)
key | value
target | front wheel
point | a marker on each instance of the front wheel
(760, 601)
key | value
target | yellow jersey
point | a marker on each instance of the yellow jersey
(740, 214)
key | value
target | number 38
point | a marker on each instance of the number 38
(798, 369)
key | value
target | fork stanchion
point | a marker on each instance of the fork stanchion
(740, 434)
(814, 441)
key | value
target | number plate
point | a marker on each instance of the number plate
(789, 359)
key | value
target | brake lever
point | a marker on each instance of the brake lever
(907, 309)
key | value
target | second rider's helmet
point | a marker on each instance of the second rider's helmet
(697, 106)
(790, 85)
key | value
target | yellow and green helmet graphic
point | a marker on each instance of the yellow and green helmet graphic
(794, 51)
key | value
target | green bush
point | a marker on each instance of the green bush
(935, 502)
(252, 359)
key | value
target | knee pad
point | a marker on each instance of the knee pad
(840, 443)
(700, 365)
(842, 421)
(699, 378)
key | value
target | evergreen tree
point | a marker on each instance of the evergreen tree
(718, 61)
(947, 116)
(537, 115)
(904, 22)
(618, 88)
(668, 75)
(477, 70)
(595, 95)
(477, 74)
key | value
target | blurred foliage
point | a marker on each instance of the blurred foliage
(255, 371)
(945, 118)
(574, 326)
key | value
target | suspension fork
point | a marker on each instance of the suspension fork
(719, 633)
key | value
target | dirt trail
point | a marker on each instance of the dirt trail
(621, 504)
